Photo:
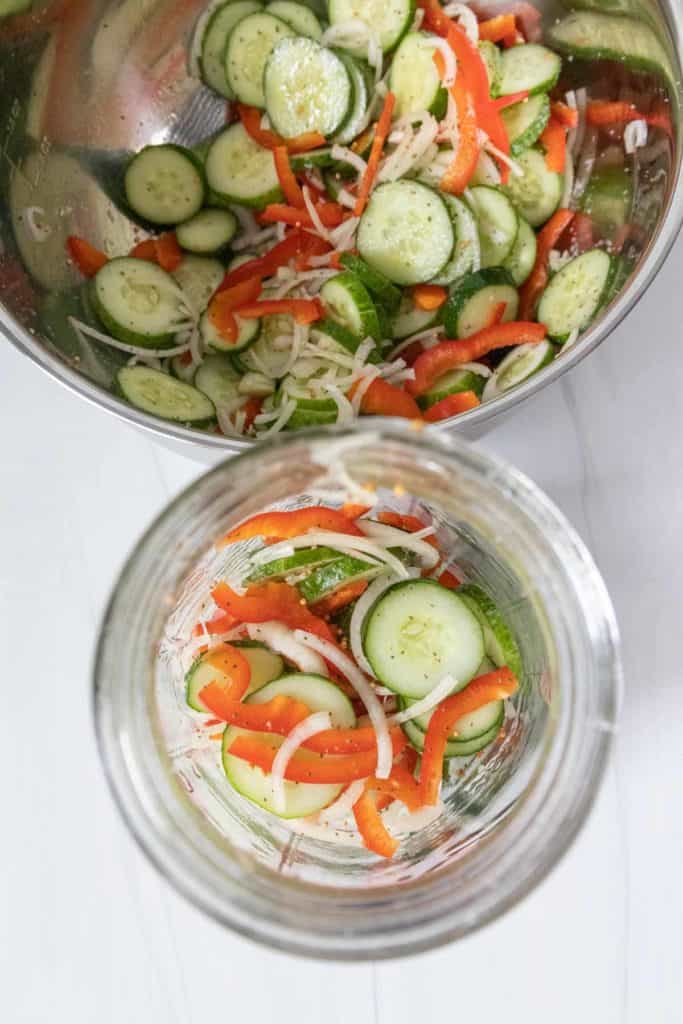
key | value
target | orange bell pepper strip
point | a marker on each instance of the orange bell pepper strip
(283, 525)
(331, 215)
(458, 175)
(401, 784)
(566, 115)
(449, 354)
(347, 741)
(145, 250)
(220, 623)
(538, 278)
(364, 141)
(503, 102)
(251, 408)
(307, 766)
(279, 715)
(276, 601)
(353, 511)
(451, 405)
(429, 296)
(495, 30)
(373, 831)
(494, 686)
(384, 399)
(381, 133)
(87, 258)
(605, 113)
(340, 598)
(411, 524)
(288, 183)
(251, 119)
(434, 17)
(230, 661)
(554, 141)
(168, 252)
(304, 311)
(224, 303)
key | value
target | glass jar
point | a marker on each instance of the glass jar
(514, 810)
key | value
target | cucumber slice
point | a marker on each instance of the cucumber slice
(238, 170)
(576, 294)
(248, 331)
(452, 383)
(217, 379)
(390, 19)
(469, 727)
(302, 561)
(215, 39)
(327, 578)
(265, 666)
(355, 120)
(454, 748)
(161, 395)
(475, 297)
(467, 248)
(307, 88)
(595, 35)
(524, 122)
(416, 633)
(208, 231)
(609, 199)
(522, 257)
(497, 224)
(301, 799)
(537, 192)
(313, 158)
(531, 66)
(249, 47)
(517, 366)
(406, 232)
(265, 357)
(347, 301)
(164, 184)
(198, 277)
(344, 339)
(137, 302)
(377, 284)
(491, 56)
(300, 19)
(414, 79)
(411, 320)
(303, 417)
(499, 640)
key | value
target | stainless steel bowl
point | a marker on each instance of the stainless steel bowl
(82, 82)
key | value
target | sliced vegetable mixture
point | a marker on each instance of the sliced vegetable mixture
(400, 216)
(347, 666)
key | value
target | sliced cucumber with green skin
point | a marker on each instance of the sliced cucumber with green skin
(262, 356)
(249, 47)
(491, 56)
(467, 248)
(301, 798)
(406, 232)
(522, 256)
(497, 224)
(452, 383)
(265, 666)
(390, 19)
(301, 561)
(207, 232)
(164, 184)
(215, 39)
(217, 379)
(517, 366)
(537, 192)
(454, 748)
(324, 580)
(525, 121)
(247, 332)
(159, 394)
(347, 301)
(355, 120)
(414, 79)
(410, 319)
(377, 284)
(499, 640)
(474, 299)
(300, 19)
(608, 199)
(469, 727)
(313, 158)
(416, 633)
(183, 370)
(238, 170)
(198, 277)
(344, 338)
(137, 302)
(302, 417)
(576, 294)
(307, 88)
(529, 67)
(595, 35)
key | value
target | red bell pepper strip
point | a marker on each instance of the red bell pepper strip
(251, 119)
(554, 140)
(458, 175)
(447, 355)
(401, 784)
(280, 255)
(229, 661)
(145, 250)
(434, 18)
(384, 399)
(224, 303)
(284, 525)
(219, 623)
(429, 296)
(494, 686)
(307, 766)
(304, 311)
(252, 407)
(451, 405)
(538, 278)
(347, 741)
(605, 113)
(449, 580)
(496, 29)
(265, 602)
(168, 252)
(411, 524)
(279, 715)
(497, 314)
(503, 102)
(288, 183)
(311, 245)
(578, 236)
(381, 133)
(373, 831)
(340, 598)
(566, 115)
(331, 215)
(87, 258)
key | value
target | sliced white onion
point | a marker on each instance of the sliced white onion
(342, 237)
(282, 640)
(319, 721)
(314, 215)
(450, 63)
(362, 607)
(343, 805)
(503, 157)
(255, 240)
(366, 380)
(442, 690)
(364, 690)
(393, 537)
(635, 136)
(586, 163)
(565, 201)
(286, 412)
(90, 332)
(466, 17)
(347, 156)
(342, 542)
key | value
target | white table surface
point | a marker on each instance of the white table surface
(88, 931)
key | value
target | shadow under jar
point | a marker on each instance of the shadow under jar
(507, 815)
